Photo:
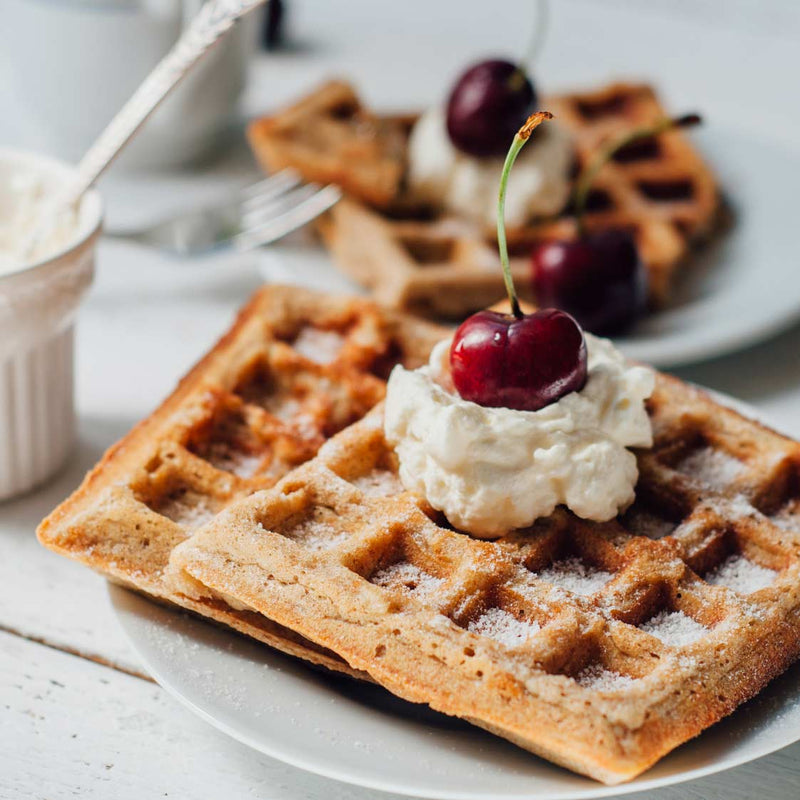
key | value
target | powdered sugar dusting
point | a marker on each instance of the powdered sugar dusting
(788, 517)
(503, 627)
(277, 394)
(674, 628)
(314, 534)
(282, 405)
(186, 508)
(318, 345)
(742, 507)
(741, 575)
(224, 457)
(575, 576)
(713, 467)
(408, 577)
(600, 679)
(306, 426)
(379, 483)
(643, 523)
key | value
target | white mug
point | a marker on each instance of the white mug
(67, 66)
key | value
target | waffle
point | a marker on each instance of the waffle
(294, 369)
(436, 265)
(600, 646)
(331, 138)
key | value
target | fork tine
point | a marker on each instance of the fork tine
(268, 187)
(278, 201)
(269, 209)
(245, 199)
(290, 220)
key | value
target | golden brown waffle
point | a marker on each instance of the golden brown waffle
(598, 646)
(331, 138)
(444, 266)
(295, 368)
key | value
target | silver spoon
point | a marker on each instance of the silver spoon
(215, 18)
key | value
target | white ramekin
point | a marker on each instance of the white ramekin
(37, 310)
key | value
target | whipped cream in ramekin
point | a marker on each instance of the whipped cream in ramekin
(491, 470)
(46, 267)
(29, 230)
(448, 179)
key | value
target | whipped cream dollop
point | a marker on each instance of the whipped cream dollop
(24, 207)
(443, 176)
(491, 470)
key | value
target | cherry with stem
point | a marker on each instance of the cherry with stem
(517, 361)
(599, 276)
(520, 140)
(493, 98)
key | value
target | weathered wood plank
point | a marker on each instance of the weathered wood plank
(44, 596)
(49, 598)
(71, 728)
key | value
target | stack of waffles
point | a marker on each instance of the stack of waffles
(600, 646)
(433, 264)
(294, 369)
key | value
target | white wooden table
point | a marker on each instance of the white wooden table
(77, 715)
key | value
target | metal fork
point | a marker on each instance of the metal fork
(257, 215)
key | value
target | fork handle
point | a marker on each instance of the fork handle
(213, 20)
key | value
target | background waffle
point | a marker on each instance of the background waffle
(598, 646)
(331, 138)
(438, 265)
(294, 369)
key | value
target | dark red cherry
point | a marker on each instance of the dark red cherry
(487, 106)
(525, 363)
(598, 278)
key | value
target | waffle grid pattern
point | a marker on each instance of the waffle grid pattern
(442, 266)
(294, 370)
(599, 646)
(332, 138)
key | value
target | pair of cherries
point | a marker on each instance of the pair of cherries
(597, 277)
(522, 361)
(514, 360)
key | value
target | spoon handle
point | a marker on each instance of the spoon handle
(213, 20)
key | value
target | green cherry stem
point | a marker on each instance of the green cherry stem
(524, 133)
(589, 172)
(541, 23)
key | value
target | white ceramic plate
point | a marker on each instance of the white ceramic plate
(361, 734)
(745, 286)
(740, 289)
